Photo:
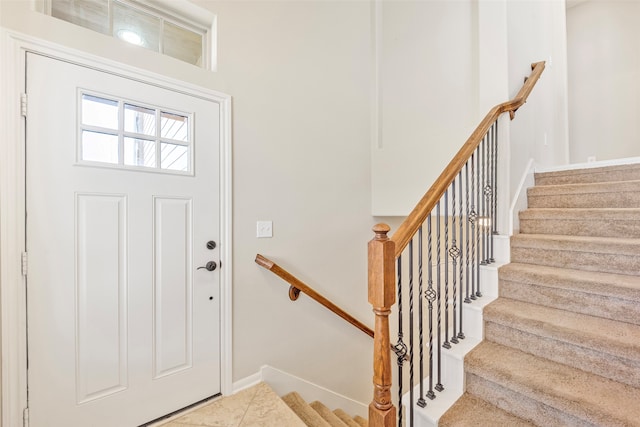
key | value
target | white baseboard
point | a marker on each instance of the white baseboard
(502, 248)
(588, 165)
(247, 382)
(519, 202)
(282, 383)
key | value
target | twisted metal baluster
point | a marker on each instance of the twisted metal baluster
(490, 197)
(481, 200)
(488, 189)
(478, 231)
(494, 225)
(421, 402)
(411, 330)
(454, 253)
(400, 348)
(460, 333)
(439, 386)
(467, 298)
(430, 295)
(446, 343)
(473, 216)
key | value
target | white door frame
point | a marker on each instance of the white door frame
(13, 328)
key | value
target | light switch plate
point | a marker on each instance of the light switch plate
(264, 229)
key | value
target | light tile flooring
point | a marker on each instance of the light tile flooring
(257, 406)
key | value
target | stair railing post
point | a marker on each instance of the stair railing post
(382, 412)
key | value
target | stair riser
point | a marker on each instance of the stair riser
(521, 405)
(572, 300)
(580, 227)
(587, 359)
(589, 176)
(589, 261)
(586, 200)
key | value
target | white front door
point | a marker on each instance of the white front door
(122, 201)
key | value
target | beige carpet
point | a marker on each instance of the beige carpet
(316, 414)
(562, 343)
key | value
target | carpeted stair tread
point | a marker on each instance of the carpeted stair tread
(597, 222)
(327, 414)
(303, 410)
(601, 346)
(618, 194)
(606, 295)
(626, 172)
(605, 254)
(345, 418)
(584, 396)
(588, 188)
(605, 335)
(471, 411)
(613, 285)
(626, 246)
(361, 421)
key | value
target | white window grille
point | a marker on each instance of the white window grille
(123, 134)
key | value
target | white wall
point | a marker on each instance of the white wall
(603, 44)
(442, 65)
(299, 73)
(300, 76)
(536, 32)
(428, 93)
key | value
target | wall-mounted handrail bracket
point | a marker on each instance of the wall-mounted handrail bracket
(294, 293)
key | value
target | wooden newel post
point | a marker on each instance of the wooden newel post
(382, 293)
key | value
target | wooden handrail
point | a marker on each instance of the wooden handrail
(418, 215)
(298, 286)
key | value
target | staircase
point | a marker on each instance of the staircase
(260, 406)
(562, 342)
(316, 414)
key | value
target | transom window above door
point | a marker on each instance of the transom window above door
(119, 133)
(138, 22)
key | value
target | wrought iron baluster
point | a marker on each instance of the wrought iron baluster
(421, 402)
(454, 253)
(488, 189)
(446, 343)
(461, 222)
(473, 217)
(411, 330)
(467, 298)
(439, 385)
(481, 200)
(430, 295)
(400, 348)
(478, 226)
(494, 226)
(490, 197)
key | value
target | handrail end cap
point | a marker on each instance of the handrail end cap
(264, 262)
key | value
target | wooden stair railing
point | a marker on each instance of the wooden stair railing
(297, 286)
(384, 251)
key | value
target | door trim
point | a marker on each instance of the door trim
(13, 49)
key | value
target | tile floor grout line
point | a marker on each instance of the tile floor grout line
(247, 409)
